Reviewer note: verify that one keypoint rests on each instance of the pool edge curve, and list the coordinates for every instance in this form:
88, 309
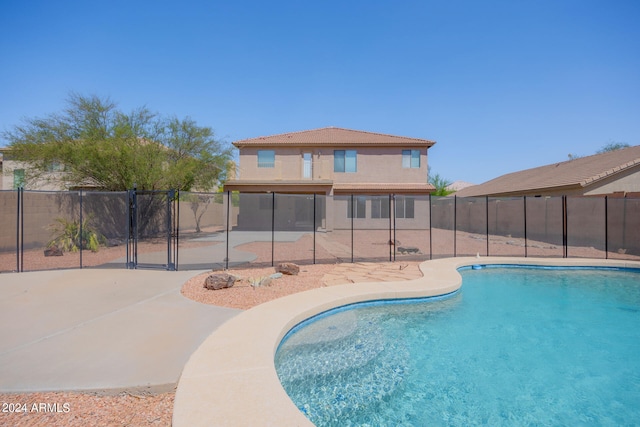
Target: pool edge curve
230, 380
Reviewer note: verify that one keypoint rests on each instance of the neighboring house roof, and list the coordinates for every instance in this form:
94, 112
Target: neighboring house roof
332, 136
577, 173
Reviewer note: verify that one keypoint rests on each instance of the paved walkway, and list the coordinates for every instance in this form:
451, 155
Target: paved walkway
97, 329
114, 329
371, 272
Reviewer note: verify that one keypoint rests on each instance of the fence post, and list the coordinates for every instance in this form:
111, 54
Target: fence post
455, 213
392, 240
606, 227
486, 215
170, 200
81, 226
128, 226
273, 222
526, 252
430, 230
18, 199
352, 214
226, 258
565, 229
132, 227
176, 220
314, 228
21, 230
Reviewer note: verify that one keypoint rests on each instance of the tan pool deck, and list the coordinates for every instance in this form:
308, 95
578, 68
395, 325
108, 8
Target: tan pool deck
231, 379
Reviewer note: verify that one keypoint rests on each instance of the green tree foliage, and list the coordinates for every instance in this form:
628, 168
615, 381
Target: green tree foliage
441, 184
99, 146
612, 146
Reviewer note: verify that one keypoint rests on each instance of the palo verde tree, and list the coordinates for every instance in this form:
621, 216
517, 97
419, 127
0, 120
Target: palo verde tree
98, 146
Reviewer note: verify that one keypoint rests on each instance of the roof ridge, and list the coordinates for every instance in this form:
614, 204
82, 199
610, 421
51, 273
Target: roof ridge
376, 133
609, 172
282, 134
286, 134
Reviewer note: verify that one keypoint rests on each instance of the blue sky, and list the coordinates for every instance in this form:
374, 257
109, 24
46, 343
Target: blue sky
500, 85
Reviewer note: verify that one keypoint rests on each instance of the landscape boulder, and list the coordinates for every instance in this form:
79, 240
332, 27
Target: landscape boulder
288, 268
219, 281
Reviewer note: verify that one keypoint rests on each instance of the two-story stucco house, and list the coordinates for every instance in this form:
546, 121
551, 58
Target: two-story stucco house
330, 162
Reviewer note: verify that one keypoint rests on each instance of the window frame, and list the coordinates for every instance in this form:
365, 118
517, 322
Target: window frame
268, 163
345, 161
411, 159
380, 207
405, 207
360, 208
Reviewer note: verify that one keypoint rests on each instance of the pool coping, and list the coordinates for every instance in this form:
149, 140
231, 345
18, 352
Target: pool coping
230, 380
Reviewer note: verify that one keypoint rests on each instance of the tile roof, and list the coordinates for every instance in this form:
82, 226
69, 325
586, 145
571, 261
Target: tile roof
333, 136
577, 173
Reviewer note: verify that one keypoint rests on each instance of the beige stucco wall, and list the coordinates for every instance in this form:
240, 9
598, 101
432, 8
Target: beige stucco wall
374, 165
628, 182
47, 182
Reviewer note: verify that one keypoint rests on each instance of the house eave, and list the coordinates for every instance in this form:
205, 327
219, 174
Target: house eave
279, 186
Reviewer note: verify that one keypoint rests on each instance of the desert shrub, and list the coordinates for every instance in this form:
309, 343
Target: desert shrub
70, 236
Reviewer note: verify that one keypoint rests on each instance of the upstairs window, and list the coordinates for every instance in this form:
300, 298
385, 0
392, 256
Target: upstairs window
345, 161
410, 158
266, 158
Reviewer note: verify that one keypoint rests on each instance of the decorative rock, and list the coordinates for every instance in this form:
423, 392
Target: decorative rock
261, 281
266, 281
276, 275
219, 281
53, 251
288, 268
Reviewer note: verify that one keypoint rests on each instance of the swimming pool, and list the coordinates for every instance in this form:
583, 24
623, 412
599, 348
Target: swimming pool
512, 347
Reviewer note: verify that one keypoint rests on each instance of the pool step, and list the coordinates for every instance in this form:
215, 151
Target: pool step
333, 348
369, 369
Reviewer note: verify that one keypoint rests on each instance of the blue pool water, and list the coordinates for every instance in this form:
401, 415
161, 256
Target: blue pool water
515, 346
